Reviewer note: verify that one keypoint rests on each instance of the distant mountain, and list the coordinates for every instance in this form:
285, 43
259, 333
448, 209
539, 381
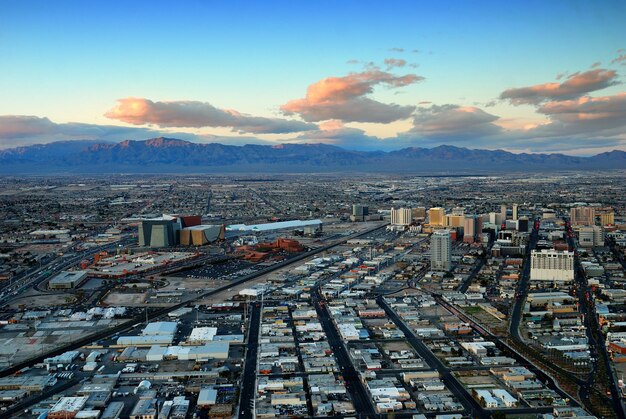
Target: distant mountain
169, 155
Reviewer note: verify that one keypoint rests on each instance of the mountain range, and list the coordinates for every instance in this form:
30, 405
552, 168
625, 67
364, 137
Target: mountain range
169, 155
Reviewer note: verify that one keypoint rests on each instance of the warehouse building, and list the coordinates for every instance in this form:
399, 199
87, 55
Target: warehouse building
67, 280
236, 229
207, 396
67, 407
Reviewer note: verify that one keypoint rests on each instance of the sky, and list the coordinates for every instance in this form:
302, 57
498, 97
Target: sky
531, 76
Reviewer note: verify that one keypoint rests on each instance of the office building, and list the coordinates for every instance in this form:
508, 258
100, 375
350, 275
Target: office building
523, 224
552, 265
472, 229
591, 236
582, 216
437, 216
401, 216
359, 212
495, 218
455, 220
514, 213
503, 212
419, 213
441, 250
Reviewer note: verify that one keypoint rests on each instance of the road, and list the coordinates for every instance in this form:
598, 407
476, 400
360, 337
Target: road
360, 397
594, 332
468, 281
156, 314
522, 286
470, 404
54, 267
248, 380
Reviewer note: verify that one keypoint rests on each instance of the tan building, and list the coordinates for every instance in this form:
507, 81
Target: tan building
582, 216
455, 220
607, 216
437, 216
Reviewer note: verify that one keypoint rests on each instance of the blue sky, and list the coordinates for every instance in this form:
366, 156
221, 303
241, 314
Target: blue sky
192, 66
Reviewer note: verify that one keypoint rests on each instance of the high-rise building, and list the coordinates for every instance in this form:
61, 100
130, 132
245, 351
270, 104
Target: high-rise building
458, 211
454, 220
503, 212
514, 213
360, 212
401, 216
552, 265
419, 212
522, 224
582, 216
607, 216
441, 250
437, 216
591, 236
495, 218
472, 228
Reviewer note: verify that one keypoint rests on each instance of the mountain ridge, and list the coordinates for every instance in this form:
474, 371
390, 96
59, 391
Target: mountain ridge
170, 154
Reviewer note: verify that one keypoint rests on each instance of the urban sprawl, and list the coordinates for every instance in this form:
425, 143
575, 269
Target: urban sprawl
155, 297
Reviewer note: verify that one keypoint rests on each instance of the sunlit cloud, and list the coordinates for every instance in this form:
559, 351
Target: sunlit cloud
345, 98
575, 85
194, 114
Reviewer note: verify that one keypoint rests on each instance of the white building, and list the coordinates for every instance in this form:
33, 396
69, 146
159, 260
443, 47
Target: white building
591, 236
489, 401
401, 216
552, 265
441, 250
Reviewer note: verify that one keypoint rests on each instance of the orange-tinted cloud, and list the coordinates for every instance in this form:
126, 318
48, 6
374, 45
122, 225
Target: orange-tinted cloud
344, 98
588, 109
193, 114
576, 85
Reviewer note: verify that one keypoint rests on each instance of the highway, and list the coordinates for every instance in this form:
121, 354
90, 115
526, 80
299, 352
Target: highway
54, 267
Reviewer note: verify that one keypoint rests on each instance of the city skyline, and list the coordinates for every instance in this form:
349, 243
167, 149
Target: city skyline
354, 75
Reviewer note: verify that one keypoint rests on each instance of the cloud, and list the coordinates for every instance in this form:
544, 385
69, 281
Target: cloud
454, 121
394, 62
193, 114
20, 130
396, 49
344, 98
576, 85
597, 116
619, 59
